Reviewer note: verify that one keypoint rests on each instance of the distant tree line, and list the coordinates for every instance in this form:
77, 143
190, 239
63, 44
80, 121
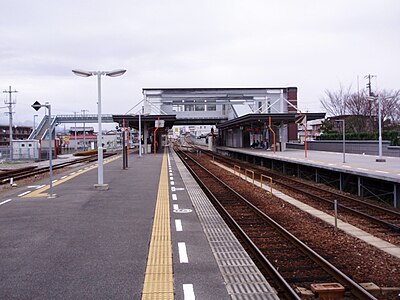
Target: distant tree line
361, 114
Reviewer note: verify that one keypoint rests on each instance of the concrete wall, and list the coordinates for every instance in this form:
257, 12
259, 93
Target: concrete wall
357, 147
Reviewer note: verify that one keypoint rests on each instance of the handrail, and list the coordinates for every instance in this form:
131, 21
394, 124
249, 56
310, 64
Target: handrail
245, 174
270, 182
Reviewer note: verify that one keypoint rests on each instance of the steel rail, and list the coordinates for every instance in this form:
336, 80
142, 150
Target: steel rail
356, 289
278, 179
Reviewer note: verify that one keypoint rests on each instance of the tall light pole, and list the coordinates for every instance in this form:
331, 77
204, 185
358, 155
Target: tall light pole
76, 141
84, 128
380, 158
140, 134
344, 138
34, 123
100, 184
37, 106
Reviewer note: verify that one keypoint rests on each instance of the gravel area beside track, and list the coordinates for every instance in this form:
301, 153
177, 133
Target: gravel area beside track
365, 263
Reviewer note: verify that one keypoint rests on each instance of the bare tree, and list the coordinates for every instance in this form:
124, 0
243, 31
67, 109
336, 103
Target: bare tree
335, 102
361, 112
390, 106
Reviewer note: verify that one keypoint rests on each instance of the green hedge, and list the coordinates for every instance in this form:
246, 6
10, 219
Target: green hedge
392, 136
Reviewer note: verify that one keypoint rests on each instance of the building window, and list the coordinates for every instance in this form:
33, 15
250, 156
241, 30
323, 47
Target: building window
211, 107
189, 107
200, 107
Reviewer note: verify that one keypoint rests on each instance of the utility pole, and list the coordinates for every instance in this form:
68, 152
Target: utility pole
369, 87
10, 112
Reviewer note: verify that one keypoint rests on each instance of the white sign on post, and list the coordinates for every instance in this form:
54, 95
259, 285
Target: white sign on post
159, 123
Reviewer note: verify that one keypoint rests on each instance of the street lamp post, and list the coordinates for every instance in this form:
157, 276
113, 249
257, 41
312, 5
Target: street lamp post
34, 123
100, 182
344, 138
76, 142
47, 105
380, 158
84, 128
140, 133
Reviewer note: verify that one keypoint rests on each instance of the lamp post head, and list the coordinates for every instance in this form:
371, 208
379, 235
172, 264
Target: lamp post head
82, 73
116, 73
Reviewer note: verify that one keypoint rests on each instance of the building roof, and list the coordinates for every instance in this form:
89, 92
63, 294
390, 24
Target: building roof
132, 121
260, 119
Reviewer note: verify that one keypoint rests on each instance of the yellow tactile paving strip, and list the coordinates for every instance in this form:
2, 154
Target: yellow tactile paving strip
39, 192
159, 280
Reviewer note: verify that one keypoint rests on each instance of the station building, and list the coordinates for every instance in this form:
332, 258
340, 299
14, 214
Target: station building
243, 116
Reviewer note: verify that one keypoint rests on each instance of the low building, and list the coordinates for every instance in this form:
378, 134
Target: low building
18, 133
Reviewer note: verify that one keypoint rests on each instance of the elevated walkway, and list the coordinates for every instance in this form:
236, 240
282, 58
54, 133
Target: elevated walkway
41, 130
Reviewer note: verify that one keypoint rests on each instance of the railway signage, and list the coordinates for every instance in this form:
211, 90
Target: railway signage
36, 106
159, 123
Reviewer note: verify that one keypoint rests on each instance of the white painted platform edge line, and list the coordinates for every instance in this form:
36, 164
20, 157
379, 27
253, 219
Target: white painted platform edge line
64, 177
24, 193
4, 202
171, 177
183, 258
40, 186
188, 292
174, 197
178, 225
175, 206
172, 182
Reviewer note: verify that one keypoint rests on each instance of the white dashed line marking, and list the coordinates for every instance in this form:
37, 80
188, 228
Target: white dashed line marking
174, 197
63, 177
188, 292
24, 193
175, 206
172, 182
178, 225
73, 173
183, 258
381, 172
4, 202
32, 186
40, 186
171, 178
362, 169
173, 189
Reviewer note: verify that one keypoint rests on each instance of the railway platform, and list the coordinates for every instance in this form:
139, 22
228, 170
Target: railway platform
359, 174
152, 235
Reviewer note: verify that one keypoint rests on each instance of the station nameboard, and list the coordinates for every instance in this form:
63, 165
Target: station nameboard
159, 123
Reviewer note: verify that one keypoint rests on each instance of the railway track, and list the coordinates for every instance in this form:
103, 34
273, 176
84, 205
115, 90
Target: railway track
286, 259
27, 172
384, 217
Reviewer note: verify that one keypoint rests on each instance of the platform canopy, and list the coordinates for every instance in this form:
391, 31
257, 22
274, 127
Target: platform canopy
260, 119
132, 121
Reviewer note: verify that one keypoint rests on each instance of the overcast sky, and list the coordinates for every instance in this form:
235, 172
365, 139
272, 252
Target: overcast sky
313, 45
